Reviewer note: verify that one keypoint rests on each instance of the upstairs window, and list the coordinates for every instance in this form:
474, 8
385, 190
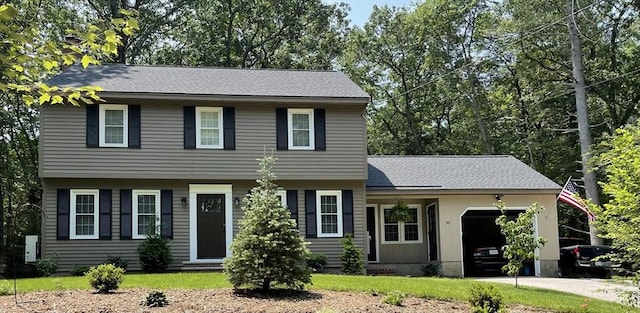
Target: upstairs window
113, 125
301, 129
209, 128
84, 214
146, 212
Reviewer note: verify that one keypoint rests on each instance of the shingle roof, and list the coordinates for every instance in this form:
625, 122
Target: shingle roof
454, 173
212, 81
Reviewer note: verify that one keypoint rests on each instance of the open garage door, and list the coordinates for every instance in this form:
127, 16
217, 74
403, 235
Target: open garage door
481, 243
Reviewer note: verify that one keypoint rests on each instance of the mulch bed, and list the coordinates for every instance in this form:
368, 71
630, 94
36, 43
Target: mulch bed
225, 300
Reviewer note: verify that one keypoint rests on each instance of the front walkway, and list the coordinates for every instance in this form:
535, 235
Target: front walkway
603, 289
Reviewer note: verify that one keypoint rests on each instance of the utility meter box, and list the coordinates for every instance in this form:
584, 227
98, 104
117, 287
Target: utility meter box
30, 248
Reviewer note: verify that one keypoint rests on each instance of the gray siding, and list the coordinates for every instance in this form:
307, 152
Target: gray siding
91, 252
64, 154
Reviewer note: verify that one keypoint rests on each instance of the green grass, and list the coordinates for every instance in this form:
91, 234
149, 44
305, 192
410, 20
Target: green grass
436, 288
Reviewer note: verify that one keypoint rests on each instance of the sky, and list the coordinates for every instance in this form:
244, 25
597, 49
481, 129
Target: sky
361, 9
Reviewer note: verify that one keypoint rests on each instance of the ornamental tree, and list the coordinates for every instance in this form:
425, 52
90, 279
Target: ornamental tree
520, 237
268, 249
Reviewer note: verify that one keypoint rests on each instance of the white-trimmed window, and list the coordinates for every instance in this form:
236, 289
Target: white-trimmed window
282, 196
301, 135
329, 213
84, 214
402, 232
113, 125
209, 128
146, 212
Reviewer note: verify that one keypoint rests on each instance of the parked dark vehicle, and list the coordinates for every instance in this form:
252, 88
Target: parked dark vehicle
488, 259
585, 260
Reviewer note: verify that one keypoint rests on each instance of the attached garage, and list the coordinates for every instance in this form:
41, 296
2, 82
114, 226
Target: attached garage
455, 198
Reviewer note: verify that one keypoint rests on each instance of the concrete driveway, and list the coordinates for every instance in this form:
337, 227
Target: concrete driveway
603, 289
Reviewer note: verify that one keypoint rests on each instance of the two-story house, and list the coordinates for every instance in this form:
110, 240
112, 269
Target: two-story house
180, 145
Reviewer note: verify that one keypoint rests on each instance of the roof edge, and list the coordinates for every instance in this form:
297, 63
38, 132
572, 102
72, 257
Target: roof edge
234, 98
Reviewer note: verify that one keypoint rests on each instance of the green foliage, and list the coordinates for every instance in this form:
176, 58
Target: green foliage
6, 288
520, 237
46, 266
394, 297
268, 249
485, 299
155, 253
79, 270
399, 212
351, 256
33, 59
105, 278
432, 268
156, 299
316, 261
117, 261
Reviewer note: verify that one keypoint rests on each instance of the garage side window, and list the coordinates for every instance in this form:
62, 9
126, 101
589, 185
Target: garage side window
409, 231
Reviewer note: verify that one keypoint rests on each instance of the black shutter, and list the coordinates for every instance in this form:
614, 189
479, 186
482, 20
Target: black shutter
166, 210
282, 132
105, 214
93, 128
292, 204
310, 213
63, 203
319, 122
134, 126
189, 127
125, 214
229, 121
347, 212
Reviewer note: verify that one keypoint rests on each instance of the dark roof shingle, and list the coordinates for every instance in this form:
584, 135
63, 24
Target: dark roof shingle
212, 81
454, 173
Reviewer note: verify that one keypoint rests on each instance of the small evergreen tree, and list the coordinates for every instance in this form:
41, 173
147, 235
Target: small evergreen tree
351, 257
268, 248
520, 237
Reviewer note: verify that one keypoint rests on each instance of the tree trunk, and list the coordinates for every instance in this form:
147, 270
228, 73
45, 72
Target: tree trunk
590, 184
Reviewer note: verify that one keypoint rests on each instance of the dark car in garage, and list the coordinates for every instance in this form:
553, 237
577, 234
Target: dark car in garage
488, 259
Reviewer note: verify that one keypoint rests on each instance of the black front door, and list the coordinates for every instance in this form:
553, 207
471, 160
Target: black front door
371, 229
211, 226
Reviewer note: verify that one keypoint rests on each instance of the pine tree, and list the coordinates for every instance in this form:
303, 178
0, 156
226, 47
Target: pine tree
268, 248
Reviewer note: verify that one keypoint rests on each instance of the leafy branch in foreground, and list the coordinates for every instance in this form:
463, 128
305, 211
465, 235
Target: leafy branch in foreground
28, 59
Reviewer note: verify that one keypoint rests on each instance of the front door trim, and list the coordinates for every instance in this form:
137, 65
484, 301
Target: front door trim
194, 190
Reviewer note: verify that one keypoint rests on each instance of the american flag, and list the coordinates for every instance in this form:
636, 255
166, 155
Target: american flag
571, 196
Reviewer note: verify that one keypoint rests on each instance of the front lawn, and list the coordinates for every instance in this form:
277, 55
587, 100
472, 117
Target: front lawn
438, 288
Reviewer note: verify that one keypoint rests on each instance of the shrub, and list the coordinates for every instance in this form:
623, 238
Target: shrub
105, 277
156, 299
6, 288
268, 249
316, 261
155, 254
485, 299
79, 270
117, 261
351, 257
394, 297
46, 266
431, 269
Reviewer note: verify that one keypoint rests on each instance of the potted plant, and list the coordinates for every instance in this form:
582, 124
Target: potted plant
399, 213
